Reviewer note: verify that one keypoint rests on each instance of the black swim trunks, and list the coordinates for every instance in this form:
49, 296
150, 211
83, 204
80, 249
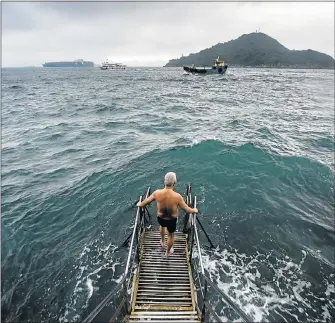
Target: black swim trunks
171, 225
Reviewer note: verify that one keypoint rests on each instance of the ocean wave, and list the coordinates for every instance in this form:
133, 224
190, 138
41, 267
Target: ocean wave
260, 162
16, 87
67, 152
269, 287
95, 261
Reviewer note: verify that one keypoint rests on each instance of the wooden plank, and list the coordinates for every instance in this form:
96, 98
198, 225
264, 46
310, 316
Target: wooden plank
180, 317
155, 270
172, 273
159, 248
170, 313
160, 261
165, 299
174, 285
167, 287
164, 259
163, 292
163, 307
158, 241
170, 321
161, 274
167, 265
163, 281
180, 304
163, 278
158, 295
164, 269
174, 256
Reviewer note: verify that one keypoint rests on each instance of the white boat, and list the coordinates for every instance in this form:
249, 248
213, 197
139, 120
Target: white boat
218, 68
106, 65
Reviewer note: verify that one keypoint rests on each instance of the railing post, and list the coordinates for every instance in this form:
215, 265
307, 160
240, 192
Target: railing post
132, 240
126, 303
186, 218
204, 303
192, 243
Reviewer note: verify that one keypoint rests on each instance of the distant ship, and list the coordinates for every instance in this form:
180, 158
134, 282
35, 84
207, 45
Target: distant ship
112, 66
218, 68
76, 63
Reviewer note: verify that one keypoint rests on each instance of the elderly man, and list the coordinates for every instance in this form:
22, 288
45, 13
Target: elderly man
167, 209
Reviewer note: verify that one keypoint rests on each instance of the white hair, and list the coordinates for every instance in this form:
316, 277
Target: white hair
170, 179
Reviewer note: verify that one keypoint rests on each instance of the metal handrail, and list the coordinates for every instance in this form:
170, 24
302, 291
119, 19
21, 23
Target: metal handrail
122, 284
132, 239
197, 238
204, 278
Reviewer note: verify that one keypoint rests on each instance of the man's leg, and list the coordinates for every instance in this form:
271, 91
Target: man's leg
162, 231
171, 229
170, 242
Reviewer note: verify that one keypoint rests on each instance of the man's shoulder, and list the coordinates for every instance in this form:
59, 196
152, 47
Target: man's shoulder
177, 195
158, 192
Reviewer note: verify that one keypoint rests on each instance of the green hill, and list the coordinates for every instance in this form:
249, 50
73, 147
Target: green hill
256, 50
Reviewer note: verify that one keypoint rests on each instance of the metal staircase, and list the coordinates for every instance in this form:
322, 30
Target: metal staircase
156, 288
163, 288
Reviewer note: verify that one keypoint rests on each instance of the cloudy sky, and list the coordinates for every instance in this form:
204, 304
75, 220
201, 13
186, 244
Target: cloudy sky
149, 34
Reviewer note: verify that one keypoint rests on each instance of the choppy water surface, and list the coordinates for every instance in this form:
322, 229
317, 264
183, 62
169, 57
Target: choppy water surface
79, 146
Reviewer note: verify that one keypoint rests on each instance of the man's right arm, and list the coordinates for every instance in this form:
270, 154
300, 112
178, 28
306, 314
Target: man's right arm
185, 207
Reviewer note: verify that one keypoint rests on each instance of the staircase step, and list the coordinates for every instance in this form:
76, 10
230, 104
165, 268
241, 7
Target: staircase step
164, 316
158, 298
163, 320
158, 294
159, 307
163, 292
166, 266
172, 287
169, 313
167, 279
181, 303
163, 274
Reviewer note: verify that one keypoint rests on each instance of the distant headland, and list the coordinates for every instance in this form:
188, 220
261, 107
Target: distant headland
256, 50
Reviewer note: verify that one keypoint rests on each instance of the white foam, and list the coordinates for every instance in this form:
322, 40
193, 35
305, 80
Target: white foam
285, 294
326, 315
330, 289
199, 140
90, 288
92, 260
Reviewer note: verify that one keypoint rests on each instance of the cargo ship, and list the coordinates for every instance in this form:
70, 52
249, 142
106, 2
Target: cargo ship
76, 63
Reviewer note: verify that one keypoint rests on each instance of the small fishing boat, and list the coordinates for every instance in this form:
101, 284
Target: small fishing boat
219, 67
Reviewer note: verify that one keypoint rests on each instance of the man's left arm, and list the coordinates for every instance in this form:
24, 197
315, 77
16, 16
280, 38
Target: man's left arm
147, 200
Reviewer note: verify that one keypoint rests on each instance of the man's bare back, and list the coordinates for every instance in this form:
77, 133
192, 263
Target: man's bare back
168, 202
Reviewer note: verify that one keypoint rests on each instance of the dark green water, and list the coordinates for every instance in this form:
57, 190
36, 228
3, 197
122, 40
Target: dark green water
79, 147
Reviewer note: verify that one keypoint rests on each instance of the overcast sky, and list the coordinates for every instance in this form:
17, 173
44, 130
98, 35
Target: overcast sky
149, 34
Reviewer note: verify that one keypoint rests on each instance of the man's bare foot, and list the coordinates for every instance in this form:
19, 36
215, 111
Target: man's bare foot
167, 254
